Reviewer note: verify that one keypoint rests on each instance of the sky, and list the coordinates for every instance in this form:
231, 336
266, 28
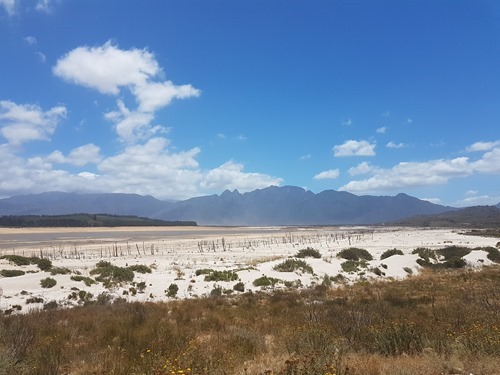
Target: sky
177, 99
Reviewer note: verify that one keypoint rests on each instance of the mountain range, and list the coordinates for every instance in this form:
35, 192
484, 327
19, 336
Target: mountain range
287, 205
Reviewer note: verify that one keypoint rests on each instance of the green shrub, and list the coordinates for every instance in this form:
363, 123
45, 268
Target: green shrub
425, 253
350, 266
265, 281
291, 265
453, 252
43, 263
48, 282
493, 253
239, 287
172, 290
354, 253
308, 253
140, 268
59, 271
34, 300
110, 275
12, 273
18, 260
88, 281
378, 272
216, 292
203, 271
390, 253
221, 276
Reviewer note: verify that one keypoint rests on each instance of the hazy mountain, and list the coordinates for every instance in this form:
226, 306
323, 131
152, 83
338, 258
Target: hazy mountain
58, 203
288, 205
477, 217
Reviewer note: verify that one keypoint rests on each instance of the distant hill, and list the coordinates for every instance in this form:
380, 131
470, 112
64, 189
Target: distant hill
473, 217
86, 220
287, 205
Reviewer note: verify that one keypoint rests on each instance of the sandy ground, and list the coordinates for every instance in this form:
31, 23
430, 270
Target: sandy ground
176, 253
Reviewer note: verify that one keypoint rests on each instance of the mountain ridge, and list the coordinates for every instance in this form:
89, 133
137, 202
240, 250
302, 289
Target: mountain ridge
286, 205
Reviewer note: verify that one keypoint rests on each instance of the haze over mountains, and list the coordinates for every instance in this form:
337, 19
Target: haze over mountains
287, 205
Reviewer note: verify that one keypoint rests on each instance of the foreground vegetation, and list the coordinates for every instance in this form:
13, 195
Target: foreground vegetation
440, 322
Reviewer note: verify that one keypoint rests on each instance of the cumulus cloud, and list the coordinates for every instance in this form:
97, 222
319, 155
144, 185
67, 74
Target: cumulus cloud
20, 123
9, 6
483, 200
354, 148
109, 70
391, 144
327, 175
79, 156
362, 168
382, 130
412, 174
482, 146
231, 175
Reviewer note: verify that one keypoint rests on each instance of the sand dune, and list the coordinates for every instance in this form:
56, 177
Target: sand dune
175, 254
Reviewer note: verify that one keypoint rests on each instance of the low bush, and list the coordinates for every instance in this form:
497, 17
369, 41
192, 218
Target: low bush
221, 276
453, 252
390, 253
34, 300
239, 287
18, 260
111, 275
493, 253
12, 273
350, 266
88, 281
59, 271
48, 282
308, 253
43, 263
172, 290
292, 265
265, 281
203, 271
425, 253
354, 253
140, 268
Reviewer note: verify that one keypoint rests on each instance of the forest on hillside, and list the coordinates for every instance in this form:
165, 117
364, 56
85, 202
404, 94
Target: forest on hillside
86, 220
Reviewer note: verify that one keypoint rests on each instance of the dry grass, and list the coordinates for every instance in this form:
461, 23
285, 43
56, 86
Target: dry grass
435, 323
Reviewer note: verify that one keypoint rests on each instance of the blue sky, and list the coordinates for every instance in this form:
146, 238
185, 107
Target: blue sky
177, 99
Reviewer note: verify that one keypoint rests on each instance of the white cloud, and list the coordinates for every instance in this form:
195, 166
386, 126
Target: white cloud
471, 192
432, 200
407, 174
347, 122
221, 136
155, 95
22, 123
305, 157
31, 40
109, 69
88, 175
41, 56
230, 175
483, 200
391, 144
382, 130
44, 6
86, 154
9, 6
329, 174
354, 148
362, 168
482, 146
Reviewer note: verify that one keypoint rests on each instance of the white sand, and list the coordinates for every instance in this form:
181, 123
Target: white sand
176, 253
